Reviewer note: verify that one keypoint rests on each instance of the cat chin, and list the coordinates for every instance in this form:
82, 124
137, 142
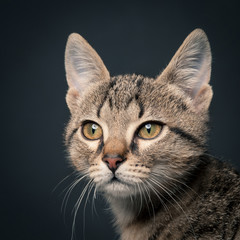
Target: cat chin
117, 189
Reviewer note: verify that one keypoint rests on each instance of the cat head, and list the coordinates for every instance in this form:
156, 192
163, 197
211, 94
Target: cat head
130, 130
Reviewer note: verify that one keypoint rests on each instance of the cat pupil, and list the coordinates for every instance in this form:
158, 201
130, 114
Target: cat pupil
148, 127
94, 128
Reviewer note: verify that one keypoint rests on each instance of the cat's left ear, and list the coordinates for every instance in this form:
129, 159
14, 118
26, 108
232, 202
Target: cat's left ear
83, 67
190, 70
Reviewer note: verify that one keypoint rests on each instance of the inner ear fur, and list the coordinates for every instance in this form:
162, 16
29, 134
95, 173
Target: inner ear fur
84, 68
190, 70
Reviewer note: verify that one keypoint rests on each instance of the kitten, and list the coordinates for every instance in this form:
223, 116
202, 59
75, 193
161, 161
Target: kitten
142, 142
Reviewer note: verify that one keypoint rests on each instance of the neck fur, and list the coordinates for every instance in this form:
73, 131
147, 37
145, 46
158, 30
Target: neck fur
128, 210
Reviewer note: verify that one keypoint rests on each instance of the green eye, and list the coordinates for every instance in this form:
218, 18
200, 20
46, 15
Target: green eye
149, 130
92, 131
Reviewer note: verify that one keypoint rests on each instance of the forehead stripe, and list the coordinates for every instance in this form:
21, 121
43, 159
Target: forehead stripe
141, 110
101, 105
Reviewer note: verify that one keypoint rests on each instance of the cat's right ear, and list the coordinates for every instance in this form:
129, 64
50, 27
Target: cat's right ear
83, 67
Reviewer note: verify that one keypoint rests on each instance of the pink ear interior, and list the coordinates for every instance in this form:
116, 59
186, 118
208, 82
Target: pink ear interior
203, 99
190, 69
83, 65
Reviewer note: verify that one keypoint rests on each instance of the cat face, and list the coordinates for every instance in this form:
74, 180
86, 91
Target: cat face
130, 133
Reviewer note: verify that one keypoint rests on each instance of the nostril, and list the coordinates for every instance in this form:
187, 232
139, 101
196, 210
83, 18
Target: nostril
113, 161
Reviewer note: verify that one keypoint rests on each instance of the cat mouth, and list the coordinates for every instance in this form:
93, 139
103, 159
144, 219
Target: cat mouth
114, 179
114, 186
117, 181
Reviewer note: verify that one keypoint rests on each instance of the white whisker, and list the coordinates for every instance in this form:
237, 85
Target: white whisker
178, 181
70, 189
93, 201
159, 196
64, 179
90, 186
143, 192
77, 205
141, 200
172, 195
150, 200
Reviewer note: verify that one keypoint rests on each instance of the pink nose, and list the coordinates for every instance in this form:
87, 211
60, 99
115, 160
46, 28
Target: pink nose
113, 161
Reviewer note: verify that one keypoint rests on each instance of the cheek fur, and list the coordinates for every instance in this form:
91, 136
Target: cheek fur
80, 154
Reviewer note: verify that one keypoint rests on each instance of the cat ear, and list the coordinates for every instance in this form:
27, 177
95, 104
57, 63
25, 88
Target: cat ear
83, 67
190, 69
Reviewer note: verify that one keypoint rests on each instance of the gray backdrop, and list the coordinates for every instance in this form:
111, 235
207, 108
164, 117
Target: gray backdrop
137, 37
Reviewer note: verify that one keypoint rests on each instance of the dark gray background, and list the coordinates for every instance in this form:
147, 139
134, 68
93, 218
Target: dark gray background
138, 37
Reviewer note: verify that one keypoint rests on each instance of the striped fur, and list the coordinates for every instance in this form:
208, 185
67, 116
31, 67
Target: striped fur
167, 187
